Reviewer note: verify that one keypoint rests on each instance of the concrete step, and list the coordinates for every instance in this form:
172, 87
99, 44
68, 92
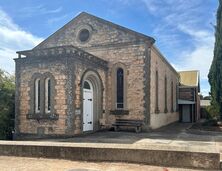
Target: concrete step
152, 155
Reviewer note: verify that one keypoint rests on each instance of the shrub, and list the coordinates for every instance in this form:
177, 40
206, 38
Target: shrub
211, 112
7, 94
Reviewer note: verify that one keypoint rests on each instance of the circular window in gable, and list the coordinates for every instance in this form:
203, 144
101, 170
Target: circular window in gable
84, 35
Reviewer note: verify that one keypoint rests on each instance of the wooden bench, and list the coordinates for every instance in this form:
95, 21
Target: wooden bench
128, 123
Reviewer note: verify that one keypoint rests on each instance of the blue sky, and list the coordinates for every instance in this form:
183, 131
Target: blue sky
183, 29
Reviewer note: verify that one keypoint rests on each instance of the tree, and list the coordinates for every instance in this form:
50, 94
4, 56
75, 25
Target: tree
215, 74
206, 98
7, 94
201, 97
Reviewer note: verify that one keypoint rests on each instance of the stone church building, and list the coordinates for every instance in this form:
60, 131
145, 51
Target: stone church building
88, 74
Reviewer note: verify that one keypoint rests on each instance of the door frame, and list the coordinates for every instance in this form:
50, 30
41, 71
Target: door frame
92, 112
97, 84
188, 106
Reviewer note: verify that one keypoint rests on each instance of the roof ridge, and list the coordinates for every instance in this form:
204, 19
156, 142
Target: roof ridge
120, 26
151, 39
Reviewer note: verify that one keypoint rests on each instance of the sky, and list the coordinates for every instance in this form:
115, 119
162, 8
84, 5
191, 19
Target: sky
183, 29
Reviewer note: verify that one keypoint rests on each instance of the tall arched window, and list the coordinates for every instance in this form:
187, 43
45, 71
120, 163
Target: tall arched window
120, 88
42, 94
177, 96
165, 110
172, 109
47, 95
37, 95
157, 93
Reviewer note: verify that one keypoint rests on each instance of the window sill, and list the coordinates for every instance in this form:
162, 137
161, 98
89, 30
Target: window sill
119, 112
157, 111
48, 116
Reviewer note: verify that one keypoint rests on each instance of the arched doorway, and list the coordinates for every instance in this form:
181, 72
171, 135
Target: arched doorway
87, 106
92, 98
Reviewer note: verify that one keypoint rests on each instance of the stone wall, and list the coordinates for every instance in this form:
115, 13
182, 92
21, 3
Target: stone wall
132, 57
162, 117
117, 45
80, 70
102, 33
47, 126
67, 72
202, 157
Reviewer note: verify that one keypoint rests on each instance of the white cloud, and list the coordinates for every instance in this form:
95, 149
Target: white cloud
57, 19
30, 11
6, 60
152, 5
5, 21
185, 29
167, 6
205, 91
13, 39
200, 57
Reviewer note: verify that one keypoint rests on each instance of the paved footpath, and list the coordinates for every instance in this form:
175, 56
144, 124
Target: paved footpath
40, 164
172, 136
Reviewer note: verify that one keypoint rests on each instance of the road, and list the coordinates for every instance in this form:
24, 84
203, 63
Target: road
40, 164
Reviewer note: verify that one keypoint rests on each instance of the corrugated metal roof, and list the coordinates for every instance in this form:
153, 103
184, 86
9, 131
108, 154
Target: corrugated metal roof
189, 78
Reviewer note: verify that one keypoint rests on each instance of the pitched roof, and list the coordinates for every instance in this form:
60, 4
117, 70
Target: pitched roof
189, 78
142, 36
151, 39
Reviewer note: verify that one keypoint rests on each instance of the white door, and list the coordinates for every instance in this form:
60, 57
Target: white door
87, 107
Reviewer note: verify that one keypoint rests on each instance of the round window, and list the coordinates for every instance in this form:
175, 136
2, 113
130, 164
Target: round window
84, 35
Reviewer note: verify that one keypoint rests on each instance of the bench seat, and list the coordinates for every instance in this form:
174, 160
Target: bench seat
137, 124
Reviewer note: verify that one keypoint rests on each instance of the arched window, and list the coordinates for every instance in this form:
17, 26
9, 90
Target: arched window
172, 108
47, 95
177, 96
119, 88
86, 85
157, 93
42, 94
37, 95
165, 110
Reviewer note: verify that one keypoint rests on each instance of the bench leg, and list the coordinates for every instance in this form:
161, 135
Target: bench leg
116, 128
138, 129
